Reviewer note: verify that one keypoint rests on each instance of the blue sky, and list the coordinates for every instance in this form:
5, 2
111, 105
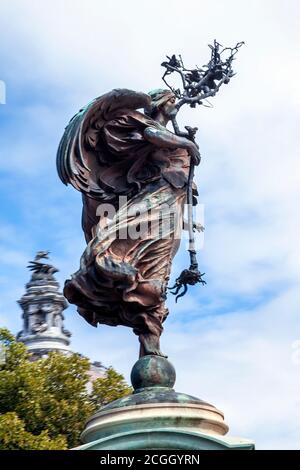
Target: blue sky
234, 341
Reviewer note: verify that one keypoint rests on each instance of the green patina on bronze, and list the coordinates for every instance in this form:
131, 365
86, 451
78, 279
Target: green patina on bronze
152, 371
154, 395
155, 416
153, 379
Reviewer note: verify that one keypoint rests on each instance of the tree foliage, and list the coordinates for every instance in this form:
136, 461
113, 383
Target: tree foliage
44, 403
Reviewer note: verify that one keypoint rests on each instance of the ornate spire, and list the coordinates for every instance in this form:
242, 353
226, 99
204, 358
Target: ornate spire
43, 304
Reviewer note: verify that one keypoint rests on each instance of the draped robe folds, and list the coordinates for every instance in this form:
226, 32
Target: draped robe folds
125, 267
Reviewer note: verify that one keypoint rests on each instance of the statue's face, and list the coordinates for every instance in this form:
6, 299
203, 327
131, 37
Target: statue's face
169, 108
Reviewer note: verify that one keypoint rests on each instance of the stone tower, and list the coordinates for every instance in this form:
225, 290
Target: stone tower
43, 304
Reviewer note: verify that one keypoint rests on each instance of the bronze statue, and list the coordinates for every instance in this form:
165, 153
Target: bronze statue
123, 159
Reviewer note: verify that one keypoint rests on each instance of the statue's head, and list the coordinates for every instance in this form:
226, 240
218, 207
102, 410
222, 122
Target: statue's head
162, 101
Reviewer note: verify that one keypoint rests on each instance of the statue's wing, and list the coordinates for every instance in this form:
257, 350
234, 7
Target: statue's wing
80, 157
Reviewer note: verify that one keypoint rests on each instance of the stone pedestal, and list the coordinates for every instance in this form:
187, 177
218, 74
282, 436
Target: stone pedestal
157, 417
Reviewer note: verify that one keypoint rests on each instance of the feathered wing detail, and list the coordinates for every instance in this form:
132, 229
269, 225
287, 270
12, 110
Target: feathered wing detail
81, 157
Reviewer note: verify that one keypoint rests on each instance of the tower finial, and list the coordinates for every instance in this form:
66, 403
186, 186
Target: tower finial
43, 304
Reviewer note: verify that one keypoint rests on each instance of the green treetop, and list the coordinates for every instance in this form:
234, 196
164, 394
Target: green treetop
44, 404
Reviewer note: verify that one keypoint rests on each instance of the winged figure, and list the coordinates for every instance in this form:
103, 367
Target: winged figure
123, 158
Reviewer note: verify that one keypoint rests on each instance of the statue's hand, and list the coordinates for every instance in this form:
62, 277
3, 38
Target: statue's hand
196, 226
194, 153
199, 227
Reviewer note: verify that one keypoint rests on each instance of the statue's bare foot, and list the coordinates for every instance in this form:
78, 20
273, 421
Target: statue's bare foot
150, 345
